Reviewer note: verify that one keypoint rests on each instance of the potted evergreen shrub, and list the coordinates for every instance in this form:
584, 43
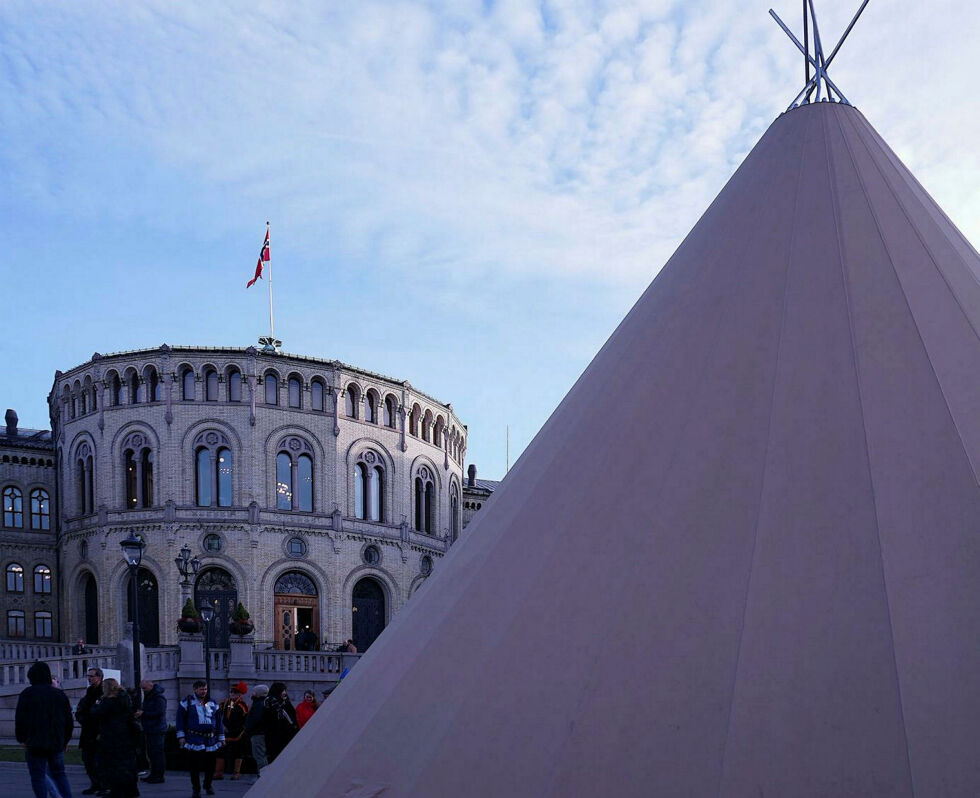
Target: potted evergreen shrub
190, 619
240, 623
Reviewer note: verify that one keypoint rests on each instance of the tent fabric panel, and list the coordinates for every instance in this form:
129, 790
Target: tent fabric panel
816, 708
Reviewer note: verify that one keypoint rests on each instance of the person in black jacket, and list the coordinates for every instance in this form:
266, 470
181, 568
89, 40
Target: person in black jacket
278, 720
118, 739
154, 718
88, 739
43, 724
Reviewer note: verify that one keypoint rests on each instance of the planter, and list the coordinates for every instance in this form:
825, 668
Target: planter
189, 625
241, 627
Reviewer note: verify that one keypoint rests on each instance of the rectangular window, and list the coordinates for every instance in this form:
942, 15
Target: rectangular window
15, 623
42, 624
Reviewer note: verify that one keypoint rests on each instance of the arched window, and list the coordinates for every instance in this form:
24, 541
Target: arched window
437, 431
424, 501
146, 483
135, 388
371, 407
389, 412
352, 398
317, 396
211, 385
13, 507
234, 386
427, 425
368, 479
294, 475
95, 398
294, 391
15, 578
131, 483
360, 483
42, 624
225, 473
138, 471
83, 399
375, 494
202, 477
413, 420
115, 391
72, 407
154, 389
42, 579
40, 509
271, 389
284, 482
187, 384
454, 511
16, 623
214, 471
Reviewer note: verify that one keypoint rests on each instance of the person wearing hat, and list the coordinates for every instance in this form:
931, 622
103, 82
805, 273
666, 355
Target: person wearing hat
234, 710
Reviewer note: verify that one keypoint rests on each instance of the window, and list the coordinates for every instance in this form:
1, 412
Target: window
138, 471
187, 385
72, 407
372, 555
40, 509
369, 487
95, 399
388, 414
424, 501
84, 475
15, 578
135, 389
426, 425
83, 399
42, 579
211, 385
214, 470
316, 396
295, 395
42, 624
437, 431
371, 407
296, 547
294, 475
115, 391
454, 511
413, 421
234, 386
425, 565
154, 389
352, 398
271, 389
13, 507
16, 623
212, 543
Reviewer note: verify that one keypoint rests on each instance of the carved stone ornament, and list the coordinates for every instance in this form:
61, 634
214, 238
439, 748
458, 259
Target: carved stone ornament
84, 450
370, 457
295, 444
210, 438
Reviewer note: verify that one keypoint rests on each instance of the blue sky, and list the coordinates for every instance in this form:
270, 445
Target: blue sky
467, 195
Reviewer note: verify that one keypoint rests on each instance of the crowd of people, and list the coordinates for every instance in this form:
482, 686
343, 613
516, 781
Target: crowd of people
122, 737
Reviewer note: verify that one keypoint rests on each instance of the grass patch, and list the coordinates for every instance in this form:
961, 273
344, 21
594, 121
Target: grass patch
15, 753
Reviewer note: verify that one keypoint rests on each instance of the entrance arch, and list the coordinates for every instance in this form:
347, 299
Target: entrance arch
297, 616
215, 586
149, 606
91, 612
368, 611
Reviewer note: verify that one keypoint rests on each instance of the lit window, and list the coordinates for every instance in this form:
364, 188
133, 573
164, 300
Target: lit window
15, 578
13, 507
42, 579
40, 509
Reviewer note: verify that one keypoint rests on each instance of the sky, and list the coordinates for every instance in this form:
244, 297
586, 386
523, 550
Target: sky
467, 195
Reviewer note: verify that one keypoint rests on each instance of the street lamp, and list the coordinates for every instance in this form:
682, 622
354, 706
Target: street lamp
207, 615
187, 566
132, 548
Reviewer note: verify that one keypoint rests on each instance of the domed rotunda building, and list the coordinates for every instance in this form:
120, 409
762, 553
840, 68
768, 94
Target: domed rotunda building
316, 494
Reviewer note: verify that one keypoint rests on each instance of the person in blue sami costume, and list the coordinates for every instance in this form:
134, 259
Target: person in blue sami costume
200, 733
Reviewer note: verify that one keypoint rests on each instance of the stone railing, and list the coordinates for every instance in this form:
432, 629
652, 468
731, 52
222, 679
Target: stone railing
325, 666
16, 651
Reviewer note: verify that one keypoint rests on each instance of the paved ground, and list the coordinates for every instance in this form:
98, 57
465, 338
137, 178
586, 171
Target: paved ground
16, 783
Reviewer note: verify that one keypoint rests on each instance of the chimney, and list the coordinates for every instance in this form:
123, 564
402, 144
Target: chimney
11, 418
470, 474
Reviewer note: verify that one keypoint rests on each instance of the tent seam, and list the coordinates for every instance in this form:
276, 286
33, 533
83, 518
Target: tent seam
864, 427
765, 466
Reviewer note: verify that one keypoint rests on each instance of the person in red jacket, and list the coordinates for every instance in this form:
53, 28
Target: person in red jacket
306, 708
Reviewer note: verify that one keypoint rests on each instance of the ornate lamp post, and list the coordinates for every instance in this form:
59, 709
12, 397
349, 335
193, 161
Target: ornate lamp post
132, 548
207, 615
187, 566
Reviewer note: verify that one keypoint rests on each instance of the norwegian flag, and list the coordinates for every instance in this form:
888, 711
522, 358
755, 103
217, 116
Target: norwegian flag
263, 258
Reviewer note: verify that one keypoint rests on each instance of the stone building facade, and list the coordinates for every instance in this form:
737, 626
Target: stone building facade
318, 495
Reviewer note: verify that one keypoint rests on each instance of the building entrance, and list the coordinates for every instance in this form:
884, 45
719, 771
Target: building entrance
297, 617
217, 587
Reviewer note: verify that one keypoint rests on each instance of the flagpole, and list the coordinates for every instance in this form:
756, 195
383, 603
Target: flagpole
272, 326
